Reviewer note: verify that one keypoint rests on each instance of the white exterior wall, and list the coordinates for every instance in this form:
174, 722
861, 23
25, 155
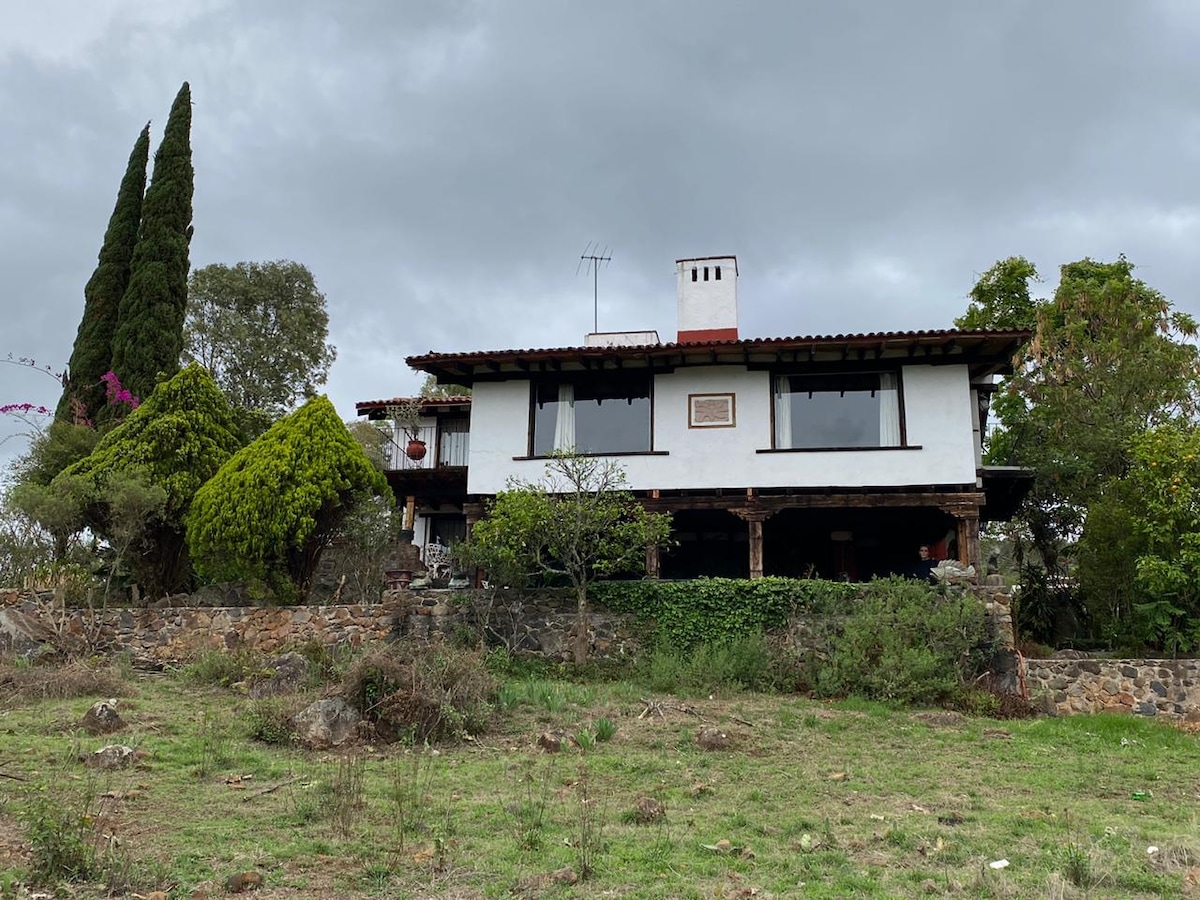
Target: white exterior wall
938, 417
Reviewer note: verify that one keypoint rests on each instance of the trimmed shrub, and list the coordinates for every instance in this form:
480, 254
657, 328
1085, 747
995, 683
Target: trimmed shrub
688, 614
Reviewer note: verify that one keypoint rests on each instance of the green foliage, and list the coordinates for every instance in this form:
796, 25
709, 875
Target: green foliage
366, 541
219, 667
149, 335
25, 547
273, 507
61, 445
174, 442
83, 392
743, 663
1000, 298
261, 329
431, 390
269, 720
1109, 359
579, 522
1165, 479
1107, 555
906, 641
62, 838
714, 611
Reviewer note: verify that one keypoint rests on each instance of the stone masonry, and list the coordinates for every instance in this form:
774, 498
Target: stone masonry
1146, 687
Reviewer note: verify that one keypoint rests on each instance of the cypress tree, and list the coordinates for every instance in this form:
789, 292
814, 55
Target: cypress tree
92, 354
149, 334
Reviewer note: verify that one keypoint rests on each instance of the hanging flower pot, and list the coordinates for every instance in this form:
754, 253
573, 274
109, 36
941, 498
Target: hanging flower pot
415, 450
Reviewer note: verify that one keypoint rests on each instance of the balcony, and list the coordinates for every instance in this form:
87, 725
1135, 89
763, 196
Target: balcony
447, 446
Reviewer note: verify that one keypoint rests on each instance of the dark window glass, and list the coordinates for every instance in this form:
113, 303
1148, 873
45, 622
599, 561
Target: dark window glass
852, 410
706, 273
718, 273
693, 273
602, 414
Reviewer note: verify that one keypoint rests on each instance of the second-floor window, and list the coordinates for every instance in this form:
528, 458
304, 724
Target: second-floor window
602, 413
836, 411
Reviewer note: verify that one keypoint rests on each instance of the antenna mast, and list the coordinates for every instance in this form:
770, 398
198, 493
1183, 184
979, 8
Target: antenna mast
593, 255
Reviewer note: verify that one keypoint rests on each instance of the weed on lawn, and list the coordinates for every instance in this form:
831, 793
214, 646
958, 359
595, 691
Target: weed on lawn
647, 794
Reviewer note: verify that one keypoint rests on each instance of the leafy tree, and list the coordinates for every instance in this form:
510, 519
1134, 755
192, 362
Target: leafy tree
91, 357
174, 442
431, 390
1109, 359
149, 336
272, 508
1165, 480
1000, 298
261, 329
579, 522
26, 548
372, 439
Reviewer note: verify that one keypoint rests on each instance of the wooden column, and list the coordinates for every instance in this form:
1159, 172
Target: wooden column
653, 562
756, 550
410, 512
473, 512
968, 542
754, 520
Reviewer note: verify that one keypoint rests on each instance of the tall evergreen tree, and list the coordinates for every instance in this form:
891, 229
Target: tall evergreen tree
149, 334
92, 354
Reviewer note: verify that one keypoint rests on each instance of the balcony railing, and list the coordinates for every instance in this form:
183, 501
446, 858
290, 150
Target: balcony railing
451, 450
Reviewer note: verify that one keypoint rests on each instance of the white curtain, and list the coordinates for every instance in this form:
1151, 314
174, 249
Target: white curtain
783, 413
889, 410
564, 423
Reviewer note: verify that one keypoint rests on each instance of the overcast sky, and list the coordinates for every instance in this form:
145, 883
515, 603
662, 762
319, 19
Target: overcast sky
440, 167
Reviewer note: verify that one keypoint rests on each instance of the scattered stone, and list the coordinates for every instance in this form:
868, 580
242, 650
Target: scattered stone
709, 738
564, 876
284, 675
243, 881
102, 718
113, 756
326, 723
21, 634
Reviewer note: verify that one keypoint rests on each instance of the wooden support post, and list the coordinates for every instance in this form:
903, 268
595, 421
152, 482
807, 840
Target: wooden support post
756, 548
754, 518
968, 542
410, 512
653, 562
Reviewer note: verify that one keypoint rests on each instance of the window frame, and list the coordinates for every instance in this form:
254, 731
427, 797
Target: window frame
575, 379
897, 371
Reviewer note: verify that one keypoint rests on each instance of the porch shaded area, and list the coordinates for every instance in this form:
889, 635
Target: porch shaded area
847, 536
841, 544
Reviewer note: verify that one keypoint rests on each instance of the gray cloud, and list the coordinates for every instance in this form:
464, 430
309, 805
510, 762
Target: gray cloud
440, 167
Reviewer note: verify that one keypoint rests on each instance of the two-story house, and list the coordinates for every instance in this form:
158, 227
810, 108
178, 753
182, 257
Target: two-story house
833, 456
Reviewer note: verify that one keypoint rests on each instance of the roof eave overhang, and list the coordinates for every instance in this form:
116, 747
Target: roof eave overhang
986, 354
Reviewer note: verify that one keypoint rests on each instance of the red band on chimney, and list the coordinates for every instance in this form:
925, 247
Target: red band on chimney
704, 335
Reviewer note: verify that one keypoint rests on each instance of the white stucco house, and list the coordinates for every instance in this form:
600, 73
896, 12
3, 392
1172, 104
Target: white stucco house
834, 456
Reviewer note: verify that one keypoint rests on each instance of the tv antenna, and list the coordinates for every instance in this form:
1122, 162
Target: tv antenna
594, 256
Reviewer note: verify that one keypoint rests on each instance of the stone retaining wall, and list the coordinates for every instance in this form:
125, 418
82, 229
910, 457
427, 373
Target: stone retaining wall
1146, 687
543, 623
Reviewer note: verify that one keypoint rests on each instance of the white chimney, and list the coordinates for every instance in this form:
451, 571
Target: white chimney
707, 299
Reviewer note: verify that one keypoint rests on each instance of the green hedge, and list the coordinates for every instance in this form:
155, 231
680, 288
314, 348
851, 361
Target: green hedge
688, 614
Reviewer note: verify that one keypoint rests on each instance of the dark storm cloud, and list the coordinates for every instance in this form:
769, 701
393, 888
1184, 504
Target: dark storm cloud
440, 167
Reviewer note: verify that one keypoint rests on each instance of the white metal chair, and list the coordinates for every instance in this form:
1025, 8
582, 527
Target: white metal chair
436, 557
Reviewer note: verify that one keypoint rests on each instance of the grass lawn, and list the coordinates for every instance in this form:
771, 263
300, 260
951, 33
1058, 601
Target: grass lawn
807, 799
